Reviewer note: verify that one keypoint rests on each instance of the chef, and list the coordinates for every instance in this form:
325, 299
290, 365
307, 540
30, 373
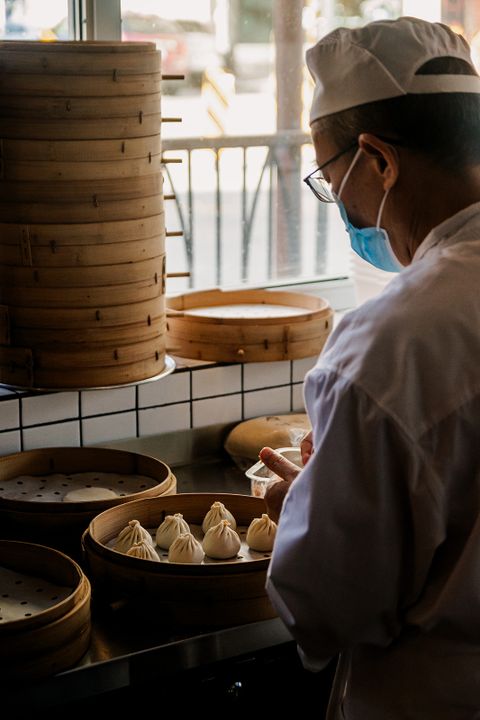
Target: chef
377, 556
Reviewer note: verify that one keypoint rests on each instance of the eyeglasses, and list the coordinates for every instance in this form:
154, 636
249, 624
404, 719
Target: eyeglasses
318, 184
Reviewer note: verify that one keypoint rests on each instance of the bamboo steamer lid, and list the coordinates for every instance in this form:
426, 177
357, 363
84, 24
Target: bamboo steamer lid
247, 325
82, 230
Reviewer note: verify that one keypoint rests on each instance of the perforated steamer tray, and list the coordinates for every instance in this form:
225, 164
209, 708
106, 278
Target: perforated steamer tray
44, 611
23, 596
55, 487
34, 483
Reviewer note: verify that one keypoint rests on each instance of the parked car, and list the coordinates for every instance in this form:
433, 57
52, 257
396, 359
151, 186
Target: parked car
167, 36
202, 53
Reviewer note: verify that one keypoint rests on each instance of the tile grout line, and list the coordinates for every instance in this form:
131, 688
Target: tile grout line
242, 390
137, 413
191, 398
20, 420
291, 385
80, 421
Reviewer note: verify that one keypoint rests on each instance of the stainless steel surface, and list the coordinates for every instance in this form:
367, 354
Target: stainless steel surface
169, 368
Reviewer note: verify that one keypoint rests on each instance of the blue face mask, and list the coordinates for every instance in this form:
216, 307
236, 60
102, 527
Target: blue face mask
371, 243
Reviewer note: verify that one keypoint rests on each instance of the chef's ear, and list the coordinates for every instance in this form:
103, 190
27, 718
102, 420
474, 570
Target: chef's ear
383, 156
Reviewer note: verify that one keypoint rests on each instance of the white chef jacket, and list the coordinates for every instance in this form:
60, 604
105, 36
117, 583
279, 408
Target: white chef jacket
377, 554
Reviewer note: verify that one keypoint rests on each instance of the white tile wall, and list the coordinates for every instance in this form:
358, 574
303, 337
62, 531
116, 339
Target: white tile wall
216, 381
260, 375
55, 435
297, 398
267, 402
9, 415
9, 442
301, 367
108, 427
49, 408
217, 410
164, 405
95, 402
159, 420
171, 389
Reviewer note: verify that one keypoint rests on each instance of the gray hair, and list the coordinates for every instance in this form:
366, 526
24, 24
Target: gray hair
445, 127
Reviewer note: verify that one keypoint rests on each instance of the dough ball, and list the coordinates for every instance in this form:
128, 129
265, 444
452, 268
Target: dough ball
93, 493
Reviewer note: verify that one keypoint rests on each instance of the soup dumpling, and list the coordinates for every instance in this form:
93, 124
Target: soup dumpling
171, 528
261, 534
218, 512
185, 549
144, 551
221, 541
132, 534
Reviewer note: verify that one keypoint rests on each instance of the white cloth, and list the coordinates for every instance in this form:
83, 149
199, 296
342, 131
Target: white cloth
377, 553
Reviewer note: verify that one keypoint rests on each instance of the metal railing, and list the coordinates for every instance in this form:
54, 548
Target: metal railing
281, 170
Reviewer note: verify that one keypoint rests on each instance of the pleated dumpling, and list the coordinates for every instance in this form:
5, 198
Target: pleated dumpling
171, 527
144, 551
132, 534
185, 549
221, 541
261, 534
218, 512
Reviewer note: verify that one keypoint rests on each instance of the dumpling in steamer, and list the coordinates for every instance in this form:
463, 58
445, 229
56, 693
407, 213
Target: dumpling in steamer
93, 493
261, 534
144, 551
131, 535
171, 528
185, 549
221, 541
218, 512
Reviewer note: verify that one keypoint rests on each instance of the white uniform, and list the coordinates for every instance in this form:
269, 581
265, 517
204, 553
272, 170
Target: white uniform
377, 554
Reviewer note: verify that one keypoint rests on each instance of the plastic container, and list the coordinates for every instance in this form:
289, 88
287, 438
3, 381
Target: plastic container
261, 477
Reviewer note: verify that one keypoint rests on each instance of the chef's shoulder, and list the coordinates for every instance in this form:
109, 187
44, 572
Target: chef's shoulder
377, 341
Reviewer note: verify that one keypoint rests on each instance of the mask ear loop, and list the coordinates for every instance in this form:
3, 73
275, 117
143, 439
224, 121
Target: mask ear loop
380, 209
387, 239
347, 174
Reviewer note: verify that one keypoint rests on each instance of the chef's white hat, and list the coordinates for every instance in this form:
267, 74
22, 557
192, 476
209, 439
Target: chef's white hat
379, 61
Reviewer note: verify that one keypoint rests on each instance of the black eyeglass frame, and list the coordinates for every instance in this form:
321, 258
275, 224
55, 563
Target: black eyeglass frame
308, 179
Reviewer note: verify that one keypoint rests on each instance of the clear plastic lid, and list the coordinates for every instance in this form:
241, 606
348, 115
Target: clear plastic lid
261, 477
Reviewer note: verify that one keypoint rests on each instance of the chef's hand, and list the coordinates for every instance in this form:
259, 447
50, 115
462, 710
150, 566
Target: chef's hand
286, 471
306, 447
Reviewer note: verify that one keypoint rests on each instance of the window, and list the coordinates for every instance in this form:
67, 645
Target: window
244, 215
33, 20
244, 141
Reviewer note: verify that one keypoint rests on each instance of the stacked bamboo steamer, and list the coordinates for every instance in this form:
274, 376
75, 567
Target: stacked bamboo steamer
82, 233
45, 620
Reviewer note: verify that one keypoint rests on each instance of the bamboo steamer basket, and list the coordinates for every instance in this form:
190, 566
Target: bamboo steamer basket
291, 325
67, 151
34, 510
44, 609
214, 593
82, 227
